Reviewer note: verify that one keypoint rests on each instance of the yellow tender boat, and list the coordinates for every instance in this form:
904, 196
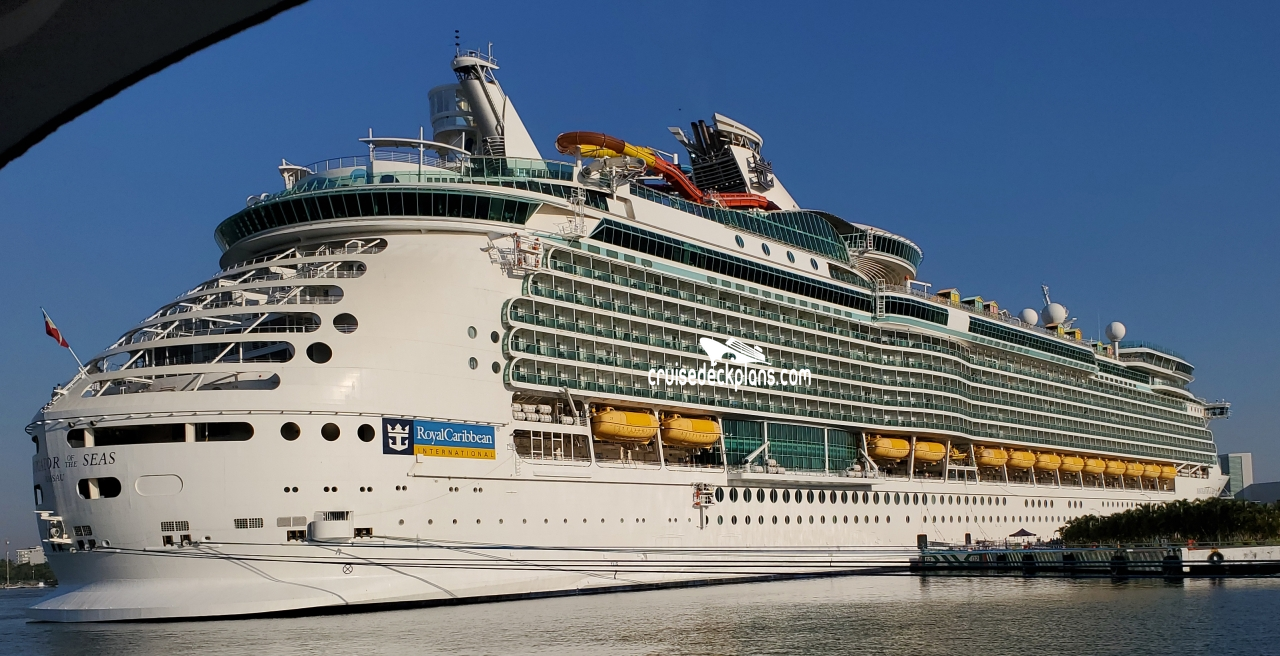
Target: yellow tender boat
1072, 464
1022, 459
689, 432
1168, 472
930, 451
1134, 469
1048, 461
890, 448
1114, 468
609, 425
1094, 465
988, 457
1150, 471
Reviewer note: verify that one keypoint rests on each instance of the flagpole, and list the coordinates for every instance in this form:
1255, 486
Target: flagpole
62, 341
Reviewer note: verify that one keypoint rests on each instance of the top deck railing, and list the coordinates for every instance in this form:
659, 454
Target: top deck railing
1128, 344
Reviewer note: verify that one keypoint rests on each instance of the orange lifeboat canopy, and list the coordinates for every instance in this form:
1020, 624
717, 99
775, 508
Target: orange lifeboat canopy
1168, 472
929, 451
1022, 459
1048, 461
1072, 464
1095, 466
989, 457
1150, 471
888, 448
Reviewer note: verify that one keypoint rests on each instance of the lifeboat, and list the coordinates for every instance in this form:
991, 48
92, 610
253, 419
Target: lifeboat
1072, 464
1168, 472
1133, 469
689, 432
1022, 459
1114, 468
1150, 471
929, 451
609, 425
890, 448
988, 457
1094, 466
1048, 461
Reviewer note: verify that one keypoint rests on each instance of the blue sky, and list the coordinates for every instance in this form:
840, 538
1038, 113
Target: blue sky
1126, 154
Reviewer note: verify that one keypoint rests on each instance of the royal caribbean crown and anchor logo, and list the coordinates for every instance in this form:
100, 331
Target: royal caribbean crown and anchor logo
437, 439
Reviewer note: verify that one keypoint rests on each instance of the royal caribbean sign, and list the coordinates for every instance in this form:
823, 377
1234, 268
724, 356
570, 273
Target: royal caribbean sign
753, 369
437, 439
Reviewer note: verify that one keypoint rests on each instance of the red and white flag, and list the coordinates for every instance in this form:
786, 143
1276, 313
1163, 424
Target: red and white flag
52, 330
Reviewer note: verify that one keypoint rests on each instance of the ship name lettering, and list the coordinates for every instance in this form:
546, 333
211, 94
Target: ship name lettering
108, 458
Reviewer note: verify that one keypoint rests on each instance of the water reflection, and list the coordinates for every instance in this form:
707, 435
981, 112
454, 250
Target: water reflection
873, 615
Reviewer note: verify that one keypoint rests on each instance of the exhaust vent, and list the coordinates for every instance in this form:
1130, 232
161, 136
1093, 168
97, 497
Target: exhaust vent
175, 527
249, 522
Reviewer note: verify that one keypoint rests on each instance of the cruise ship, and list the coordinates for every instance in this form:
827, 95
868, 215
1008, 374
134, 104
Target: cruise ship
450, 369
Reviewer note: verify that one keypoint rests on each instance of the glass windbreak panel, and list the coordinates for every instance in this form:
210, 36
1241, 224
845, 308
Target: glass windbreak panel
1013, 336
741, 438
801, 229
797, 448
897, 248
842, 450
369, 203
1121, 371
907, 307
730, 266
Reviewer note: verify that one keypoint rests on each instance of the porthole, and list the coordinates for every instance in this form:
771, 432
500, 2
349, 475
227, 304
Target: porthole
747, 519
497, 368
330, 432
897, 498
775, 519
877, 519
915, 499
319, 353
791, 257
865, 496
473, 363
823, 518
876, 498
854, 497
935, 498
494, 337
746, 495
733, 494
738, 240
855, 519
765, 248
844, 497
786, 519
471, 332
760, 495
365, 433
1026, 503
346, 323
719, 495
786, 496
733, 520
822, 496
773, 498
290, 431
810, 496
814, 263
720, 519
810, 519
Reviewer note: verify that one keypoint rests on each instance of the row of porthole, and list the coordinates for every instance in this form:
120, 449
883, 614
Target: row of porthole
493, 337
791, 257
622, 520
319, 352
822, 496
330, 432
867, 519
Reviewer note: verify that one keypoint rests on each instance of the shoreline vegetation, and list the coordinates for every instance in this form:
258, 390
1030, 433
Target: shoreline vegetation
26, 575
1179, 522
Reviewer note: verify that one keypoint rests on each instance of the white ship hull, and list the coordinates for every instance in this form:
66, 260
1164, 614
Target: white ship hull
247, 449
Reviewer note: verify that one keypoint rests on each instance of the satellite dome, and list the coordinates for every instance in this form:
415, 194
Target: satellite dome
1053, 314
1029, 316
1115, 332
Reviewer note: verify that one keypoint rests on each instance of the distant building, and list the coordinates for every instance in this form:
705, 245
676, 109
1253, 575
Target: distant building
1261, 492
1239, 470
32, 556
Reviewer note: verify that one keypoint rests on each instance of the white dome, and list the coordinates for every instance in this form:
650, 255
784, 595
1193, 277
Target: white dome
1053, 314
1029, 316
1115, 332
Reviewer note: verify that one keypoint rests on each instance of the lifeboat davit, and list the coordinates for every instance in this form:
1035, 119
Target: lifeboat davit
1168, 472
1133, 469
989, 457
1151, 471
889, 448
930, 452
1114, 468
1072, 464
689, 432
1094, 466
1048, 461
609, 425
1022, 459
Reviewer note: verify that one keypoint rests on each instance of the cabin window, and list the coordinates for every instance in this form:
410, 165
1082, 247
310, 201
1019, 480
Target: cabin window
99, 488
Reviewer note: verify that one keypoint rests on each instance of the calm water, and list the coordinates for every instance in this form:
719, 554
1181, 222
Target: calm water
852, 615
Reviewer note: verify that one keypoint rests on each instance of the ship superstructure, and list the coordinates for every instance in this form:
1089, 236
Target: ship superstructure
478, 373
